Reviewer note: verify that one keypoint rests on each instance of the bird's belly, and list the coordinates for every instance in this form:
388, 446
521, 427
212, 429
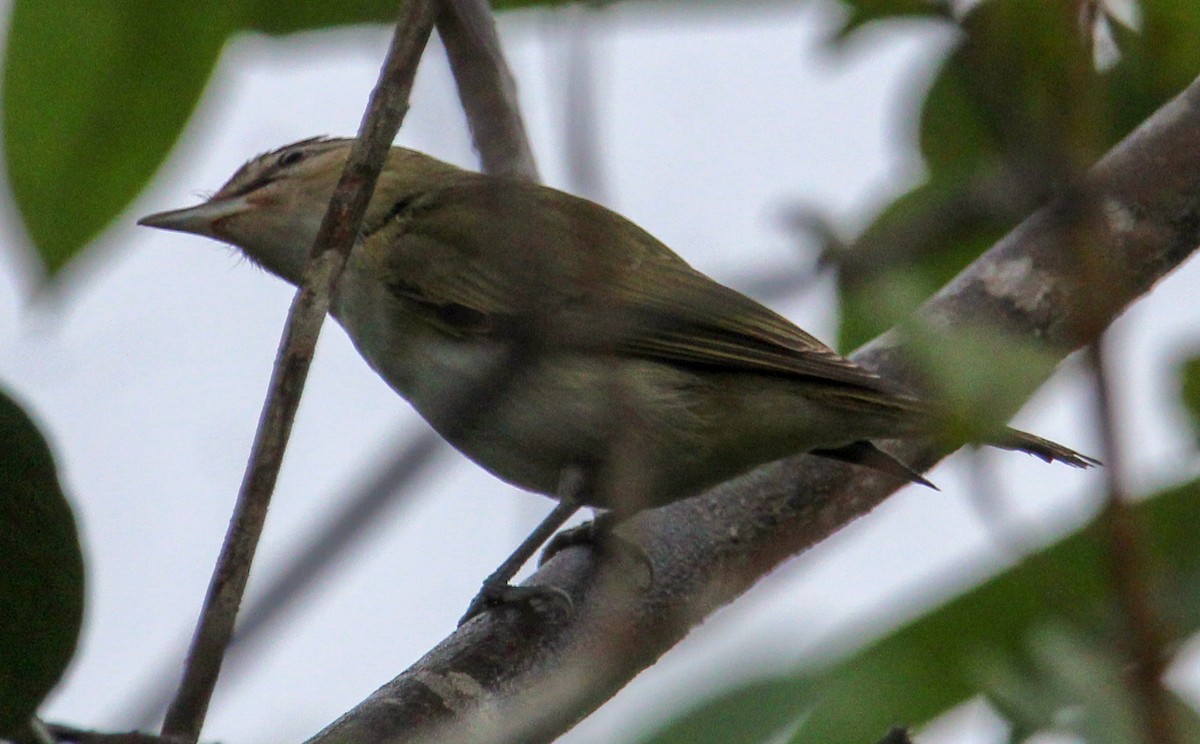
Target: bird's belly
522, 417
527, 420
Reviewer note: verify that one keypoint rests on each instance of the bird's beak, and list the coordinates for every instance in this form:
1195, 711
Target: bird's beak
201, 219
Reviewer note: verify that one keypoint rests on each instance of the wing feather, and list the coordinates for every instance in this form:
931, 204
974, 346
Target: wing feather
560, 274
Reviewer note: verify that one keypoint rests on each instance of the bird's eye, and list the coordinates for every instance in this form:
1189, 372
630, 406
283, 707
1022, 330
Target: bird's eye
290, 158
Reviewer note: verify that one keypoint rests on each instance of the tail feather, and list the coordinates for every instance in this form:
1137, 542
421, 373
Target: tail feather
1013, 439
868, 455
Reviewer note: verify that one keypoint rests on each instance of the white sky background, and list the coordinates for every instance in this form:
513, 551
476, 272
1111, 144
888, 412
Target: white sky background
150, 377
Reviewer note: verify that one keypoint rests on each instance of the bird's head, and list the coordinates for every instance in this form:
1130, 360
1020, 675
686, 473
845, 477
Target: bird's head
273, 205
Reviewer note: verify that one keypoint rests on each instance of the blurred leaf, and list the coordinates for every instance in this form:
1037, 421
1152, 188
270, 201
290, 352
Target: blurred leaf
289, 16
1169, 32
1014, 115
1019, 91
982, 641
756, 712
877, 303
863, 12
917, 245
95, 94
1157, 61
41, 570
1190, 384
1069, 675
941, 659
979, 376
1072, 684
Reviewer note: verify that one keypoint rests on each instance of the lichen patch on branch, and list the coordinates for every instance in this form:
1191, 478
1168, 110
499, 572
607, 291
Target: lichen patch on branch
1016, 280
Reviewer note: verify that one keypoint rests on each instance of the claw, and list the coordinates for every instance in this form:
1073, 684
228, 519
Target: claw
498, 595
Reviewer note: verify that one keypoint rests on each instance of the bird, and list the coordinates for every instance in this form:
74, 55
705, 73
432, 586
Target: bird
560, 346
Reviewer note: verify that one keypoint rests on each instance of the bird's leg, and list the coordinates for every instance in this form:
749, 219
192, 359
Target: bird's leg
496, 589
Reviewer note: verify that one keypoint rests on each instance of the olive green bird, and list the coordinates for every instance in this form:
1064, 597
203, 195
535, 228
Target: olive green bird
557, 344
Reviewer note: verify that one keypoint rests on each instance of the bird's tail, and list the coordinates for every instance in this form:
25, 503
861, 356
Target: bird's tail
1013, 439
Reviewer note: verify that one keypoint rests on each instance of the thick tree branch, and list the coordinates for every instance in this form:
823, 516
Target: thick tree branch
524, 677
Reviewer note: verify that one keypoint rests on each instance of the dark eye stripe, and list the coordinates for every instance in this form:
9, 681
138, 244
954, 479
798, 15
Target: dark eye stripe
271, 166
290, 158
254, 185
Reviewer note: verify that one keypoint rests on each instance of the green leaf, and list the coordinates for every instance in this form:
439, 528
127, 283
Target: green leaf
1190, 383
1074, 683
1014, 114
754, 712
1070, 683
942, 659
874, 304
980, 376
1157, 61
1002, 125
95, 94
914, 247
1020, 91
864, 12
290, 16
41, 570
1028, 637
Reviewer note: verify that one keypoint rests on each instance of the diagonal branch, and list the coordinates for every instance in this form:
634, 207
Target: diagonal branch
487, 88
389, 102
527, 677
488, 92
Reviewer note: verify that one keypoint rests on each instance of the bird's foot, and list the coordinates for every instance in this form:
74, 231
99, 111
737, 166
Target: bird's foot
594, 533
500, 594
599, 534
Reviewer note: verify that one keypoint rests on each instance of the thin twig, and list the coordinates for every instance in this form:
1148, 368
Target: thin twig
1129, 568
486, 88
581, 139
389, 102
489, 99
710, 549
